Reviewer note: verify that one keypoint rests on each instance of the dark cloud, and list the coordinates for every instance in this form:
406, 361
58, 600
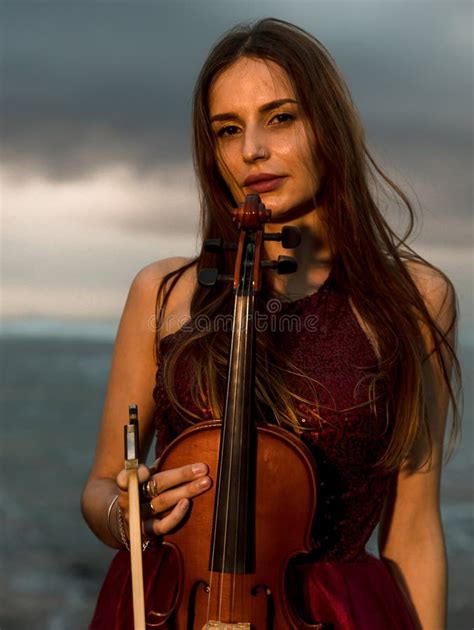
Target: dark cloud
91, 83
72, 72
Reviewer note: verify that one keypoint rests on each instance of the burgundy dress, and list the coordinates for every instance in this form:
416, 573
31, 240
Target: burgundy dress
342, 583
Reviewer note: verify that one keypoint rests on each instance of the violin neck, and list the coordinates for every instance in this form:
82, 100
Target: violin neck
233, 547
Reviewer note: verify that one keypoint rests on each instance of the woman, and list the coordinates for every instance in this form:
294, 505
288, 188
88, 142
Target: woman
368, 390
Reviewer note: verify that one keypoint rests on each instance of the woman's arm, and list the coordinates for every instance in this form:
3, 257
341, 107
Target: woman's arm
131, 380
411, 537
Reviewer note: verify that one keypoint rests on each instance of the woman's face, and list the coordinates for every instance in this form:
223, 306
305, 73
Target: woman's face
259, 128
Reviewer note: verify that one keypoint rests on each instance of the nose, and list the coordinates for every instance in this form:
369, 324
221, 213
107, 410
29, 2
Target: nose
254, 147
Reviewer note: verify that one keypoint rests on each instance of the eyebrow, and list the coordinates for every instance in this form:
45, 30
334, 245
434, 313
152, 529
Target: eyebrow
264, 108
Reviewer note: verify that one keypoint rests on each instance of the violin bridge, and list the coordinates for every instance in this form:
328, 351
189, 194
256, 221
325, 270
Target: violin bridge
219, 625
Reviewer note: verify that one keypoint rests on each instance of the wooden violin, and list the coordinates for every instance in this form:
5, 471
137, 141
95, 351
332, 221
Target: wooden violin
238, 538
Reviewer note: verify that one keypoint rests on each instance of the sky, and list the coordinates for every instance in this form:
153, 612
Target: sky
95, 166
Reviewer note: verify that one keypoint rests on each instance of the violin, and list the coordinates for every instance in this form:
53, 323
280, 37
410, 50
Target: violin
232, 555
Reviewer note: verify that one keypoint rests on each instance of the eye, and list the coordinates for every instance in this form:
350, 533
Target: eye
230, 130
284, 117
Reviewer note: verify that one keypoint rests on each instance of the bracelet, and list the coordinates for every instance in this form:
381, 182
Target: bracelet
109, 512
123, 535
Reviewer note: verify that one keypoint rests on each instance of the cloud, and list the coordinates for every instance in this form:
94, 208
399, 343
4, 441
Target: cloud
72, 247
86, 85
95, 122
164, 202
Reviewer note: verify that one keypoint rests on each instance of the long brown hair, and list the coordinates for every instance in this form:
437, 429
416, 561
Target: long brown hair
369, 258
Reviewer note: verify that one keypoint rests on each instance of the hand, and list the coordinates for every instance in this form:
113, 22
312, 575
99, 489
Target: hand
175, 487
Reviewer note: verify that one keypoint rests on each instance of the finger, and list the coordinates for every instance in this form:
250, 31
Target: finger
147, 528
123, 503
143, 473
170, 521
122, 477
146, 511
154, 466
167, 479
170, 498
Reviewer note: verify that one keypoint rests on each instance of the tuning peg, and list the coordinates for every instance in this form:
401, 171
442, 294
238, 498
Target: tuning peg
217, 245
210, 276
290, 236
213, 245
284, 264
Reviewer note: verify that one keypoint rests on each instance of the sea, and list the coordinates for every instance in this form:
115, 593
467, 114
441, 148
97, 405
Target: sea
54, 378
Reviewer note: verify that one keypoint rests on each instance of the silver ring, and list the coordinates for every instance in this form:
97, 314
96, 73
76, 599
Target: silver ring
152, 488
149, 490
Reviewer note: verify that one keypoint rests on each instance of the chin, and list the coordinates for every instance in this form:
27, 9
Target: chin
279, 204
275, 202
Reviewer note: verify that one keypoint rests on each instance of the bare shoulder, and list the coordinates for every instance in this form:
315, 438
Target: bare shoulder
144, 290
150, 276
147, 281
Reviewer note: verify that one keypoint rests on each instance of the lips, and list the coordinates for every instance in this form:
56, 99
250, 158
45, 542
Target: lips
263, 182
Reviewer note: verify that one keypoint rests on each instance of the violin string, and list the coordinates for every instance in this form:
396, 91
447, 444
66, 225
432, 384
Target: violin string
243, 583
250, 341
239, 475
217, 515
248, 463
242, 305
237, 319
249, 323
249, 313
217, 503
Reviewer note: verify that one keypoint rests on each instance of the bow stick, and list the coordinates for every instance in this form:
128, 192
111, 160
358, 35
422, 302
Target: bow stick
132, 459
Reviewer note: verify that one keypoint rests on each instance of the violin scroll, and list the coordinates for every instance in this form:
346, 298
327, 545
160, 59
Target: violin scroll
252, 214
250, 218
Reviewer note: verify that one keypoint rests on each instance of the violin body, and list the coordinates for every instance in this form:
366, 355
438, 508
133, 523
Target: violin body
283, 525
